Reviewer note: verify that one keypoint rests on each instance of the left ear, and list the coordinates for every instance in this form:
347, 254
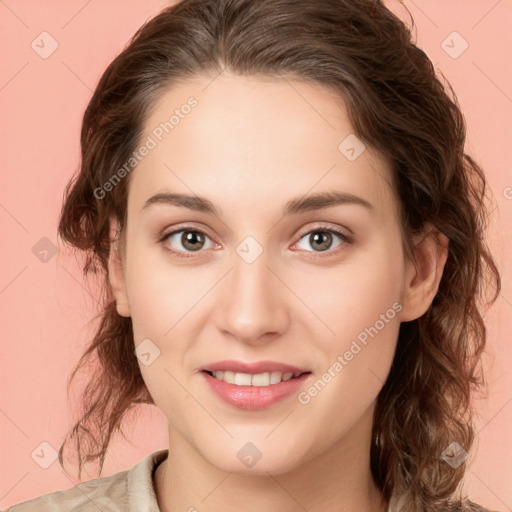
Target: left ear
423, 273
116, 272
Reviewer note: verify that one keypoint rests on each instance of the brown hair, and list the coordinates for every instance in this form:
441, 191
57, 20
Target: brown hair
396, 104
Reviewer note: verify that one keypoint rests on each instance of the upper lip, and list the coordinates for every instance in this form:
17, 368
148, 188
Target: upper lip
253, 368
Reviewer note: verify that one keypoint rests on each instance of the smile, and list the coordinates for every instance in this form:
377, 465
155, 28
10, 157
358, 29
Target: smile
247, 379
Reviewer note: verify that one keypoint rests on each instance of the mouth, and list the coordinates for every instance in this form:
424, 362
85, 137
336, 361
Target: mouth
254, 385
255, 380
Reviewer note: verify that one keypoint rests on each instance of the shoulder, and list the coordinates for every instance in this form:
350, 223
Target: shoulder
107, 494
124, 491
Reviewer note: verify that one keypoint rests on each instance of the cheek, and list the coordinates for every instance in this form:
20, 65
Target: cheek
159, 293
352, 296
359, 306
162, 300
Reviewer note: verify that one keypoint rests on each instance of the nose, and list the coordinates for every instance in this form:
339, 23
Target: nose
253, 304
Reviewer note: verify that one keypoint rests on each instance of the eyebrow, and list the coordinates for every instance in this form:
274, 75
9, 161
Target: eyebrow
323, 200
295, 206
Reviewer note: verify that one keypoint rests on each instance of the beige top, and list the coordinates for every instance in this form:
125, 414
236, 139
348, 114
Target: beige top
127, 491
131, 490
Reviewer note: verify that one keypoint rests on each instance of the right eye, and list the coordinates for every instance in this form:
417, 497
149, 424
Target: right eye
189, 240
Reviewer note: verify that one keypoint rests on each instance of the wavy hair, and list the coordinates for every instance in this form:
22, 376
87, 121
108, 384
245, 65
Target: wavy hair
398, 105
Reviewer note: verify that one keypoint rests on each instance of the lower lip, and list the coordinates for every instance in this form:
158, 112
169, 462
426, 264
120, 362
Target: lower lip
254, 397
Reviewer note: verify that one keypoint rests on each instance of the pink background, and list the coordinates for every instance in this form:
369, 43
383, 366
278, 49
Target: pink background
45, 306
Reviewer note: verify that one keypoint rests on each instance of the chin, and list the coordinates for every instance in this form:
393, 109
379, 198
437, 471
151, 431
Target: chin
253, 459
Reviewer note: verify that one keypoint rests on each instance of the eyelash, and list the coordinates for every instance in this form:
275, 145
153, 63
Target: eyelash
345, 239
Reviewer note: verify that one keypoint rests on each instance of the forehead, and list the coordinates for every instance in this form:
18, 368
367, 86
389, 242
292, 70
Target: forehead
255, 138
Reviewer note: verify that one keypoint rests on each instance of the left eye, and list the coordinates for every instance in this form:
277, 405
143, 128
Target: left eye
323, 238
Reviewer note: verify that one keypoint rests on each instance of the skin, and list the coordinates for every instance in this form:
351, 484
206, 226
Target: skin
251, 145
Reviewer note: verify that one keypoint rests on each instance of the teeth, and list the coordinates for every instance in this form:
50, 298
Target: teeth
242, 379
246, 379
275, 378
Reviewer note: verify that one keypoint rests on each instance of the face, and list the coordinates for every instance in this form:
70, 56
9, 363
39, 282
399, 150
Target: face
268, 275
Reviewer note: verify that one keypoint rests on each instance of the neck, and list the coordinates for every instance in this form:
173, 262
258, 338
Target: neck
337, 479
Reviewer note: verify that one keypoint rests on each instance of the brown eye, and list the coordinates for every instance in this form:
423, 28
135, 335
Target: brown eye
185, 240
321, 240
192, 240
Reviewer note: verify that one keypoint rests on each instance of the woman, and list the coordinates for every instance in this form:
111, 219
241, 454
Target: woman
292, 241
